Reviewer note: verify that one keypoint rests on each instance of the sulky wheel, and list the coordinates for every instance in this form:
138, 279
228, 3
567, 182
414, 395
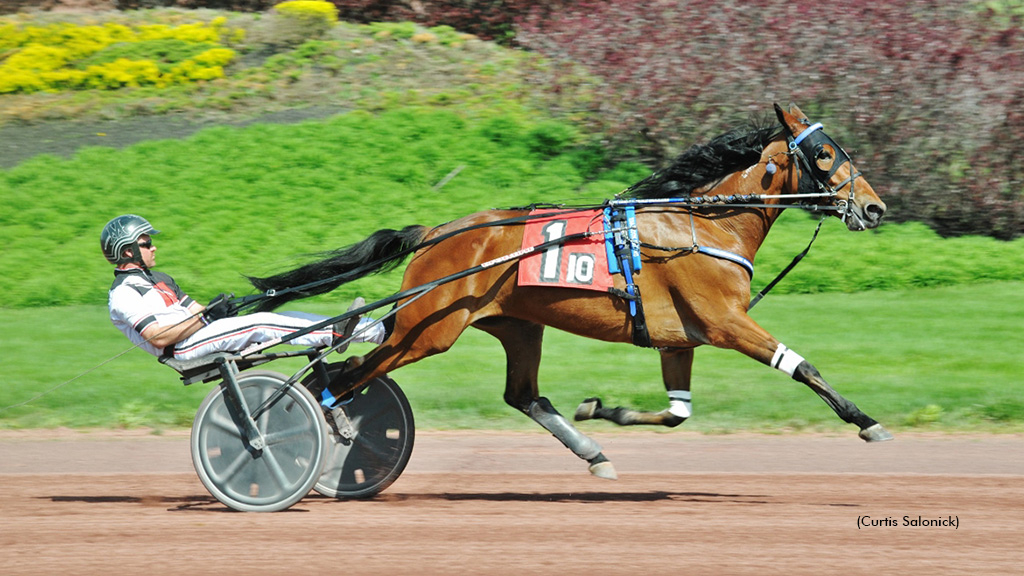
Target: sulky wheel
276, 476
371, 440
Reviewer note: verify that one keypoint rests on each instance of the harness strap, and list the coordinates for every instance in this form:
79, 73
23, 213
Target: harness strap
807, 132
730, 256
623, 257
786, 270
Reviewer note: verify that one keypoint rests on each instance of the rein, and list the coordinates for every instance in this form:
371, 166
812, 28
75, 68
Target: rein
715, 201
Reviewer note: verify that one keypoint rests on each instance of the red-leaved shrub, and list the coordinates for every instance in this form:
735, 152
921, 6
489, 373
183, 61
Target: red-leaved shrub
927, 96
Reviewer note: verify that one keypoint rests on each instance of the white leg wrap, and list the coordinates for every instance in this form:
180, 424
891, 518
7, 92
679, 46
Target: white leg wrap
679, 403
786, 360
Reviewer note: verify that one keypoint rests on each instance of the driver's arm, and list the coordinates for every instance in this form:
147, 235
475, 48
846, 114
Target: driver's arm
164, 336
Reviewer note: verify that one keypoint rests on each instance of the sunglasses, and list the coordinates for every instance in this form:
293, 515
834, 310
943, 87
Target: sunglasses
146, 244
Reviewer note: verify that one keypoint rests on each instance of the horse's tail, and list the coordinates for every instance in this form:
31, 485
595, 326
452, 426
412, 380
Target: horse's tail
381, 251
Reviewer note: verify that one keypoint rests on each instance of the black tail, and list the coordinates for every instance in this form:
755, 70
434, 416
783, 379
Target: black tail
381, 251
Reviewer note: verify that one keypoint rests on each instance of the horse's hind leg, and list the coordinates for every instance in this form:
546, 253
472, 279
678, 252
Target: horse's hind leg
522, 343
429, 332
676, 366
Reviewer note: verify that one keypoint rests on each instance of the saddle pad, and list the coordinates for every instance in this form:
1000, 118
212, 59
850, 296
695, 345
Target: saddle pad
579, 263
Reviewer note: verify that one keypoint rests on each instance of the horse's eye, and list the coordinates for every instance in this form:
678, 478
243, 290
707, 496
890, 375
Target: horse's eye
823, 157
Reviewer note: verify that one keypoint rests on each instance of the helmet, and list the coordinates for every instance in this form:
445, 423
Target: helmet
123, 232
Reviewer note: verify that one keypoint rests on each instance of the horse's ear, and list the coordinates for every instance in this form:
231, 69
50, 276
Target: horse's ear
792, 119
780, 114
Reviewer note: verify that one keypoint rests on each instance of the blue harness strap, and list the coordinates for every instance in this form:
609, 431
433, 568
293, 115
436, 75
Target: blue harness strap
623, 249
634, 236
617, 242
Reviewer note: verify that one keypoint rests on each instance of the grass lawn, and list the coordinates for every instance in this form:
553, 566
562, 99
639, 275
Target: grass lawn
943, 358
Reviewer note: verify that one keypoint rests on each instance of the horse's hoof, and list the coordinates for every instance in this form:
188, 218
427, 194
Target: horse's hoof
586, 409
604, 470
875, 433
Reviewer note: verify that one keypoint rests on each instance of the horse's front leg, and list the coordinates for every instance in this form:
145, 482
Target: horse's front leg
746, 336
870, 430
676, 367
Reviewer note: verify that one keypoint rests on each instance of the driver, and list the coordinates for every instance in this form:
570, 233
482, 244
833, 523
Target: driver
155, 314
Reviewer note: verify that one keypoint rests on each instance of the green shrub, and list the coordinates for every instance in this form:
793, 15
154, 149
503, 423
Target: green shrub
165, 53
550, 138
399, 30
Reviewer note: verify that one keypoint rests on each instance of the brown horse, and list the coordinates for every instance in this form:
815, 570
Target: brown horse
689, 297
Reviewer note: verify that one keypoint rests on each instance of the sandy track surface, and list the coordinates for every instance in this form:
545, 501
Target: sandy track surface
516, 503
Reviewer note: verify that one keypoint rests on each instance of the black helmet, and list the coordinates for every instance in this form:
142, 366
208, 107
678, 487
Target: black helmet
123, 232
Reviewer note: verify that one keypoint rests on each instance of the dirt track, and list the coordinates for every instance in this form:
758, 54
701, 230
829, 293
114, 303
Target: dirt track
490, 503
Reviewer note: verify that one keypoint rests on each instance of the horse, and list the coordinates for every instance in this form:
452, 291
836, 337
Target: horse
690, 296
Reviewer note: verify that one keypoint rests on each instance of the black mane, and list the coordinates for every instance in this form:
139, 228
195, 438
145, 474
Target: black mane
703, 164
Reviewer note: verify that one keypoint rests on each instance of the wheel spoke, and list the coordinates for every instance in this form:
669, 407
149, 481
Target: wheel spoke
222, 420
263, 393
276, 470
233, 467
369, 455
299, 431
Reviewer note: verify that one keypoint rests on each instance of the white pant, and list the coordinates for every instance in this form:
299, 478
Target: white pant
235, 334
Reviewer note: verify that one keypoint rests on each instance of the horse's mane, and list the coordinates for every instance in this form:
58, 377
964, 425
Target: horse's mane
703, 164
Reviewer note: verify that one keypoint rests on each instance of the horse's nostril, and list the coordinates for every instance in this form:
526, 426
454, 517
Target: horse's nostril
875, 211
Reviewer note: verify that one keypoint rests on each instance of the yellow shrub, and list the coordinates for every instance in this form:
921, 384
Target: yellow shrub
36, 57
21, 72
64, 79
309, 9
206, 66
122, 72
40, 57
10, 36
20, 81
215, 57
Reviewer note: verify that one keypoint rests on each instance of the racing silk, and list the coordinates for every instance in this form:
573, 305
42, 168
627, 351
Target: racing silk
139, 298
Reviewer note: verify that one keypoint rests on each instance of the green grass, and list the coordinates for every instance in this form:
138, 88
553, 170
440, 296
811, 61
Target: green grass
943, 359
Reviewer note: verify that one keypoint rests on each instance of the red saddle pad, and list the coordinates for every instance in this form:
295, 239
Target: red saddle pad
579, 263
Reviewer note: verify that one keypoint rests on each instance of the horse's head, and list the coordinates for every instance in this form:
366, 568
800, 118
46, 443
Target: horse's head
830, 167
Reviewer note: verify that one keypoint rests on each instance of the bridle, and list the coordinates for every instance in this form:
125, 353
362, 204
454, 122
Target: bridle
811, 143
